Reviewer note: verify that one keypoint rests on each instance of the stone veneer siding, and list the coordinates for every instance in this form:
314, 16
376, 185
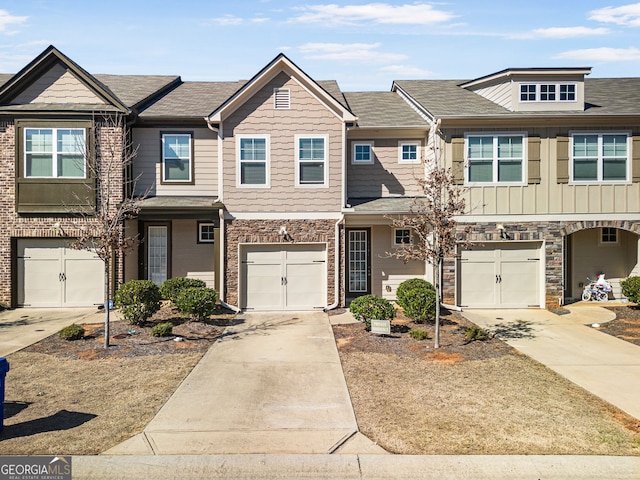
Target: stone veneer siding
552, 233
266, 231
15, 226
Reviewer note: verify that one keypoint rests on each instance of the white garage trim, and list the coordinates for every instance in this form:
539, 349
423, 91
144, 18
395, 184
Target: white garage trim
282, 276
501, 275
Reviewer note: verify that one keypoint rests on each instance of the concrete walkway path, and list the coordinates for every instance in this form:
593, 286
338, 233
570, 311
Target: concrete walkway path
272, 384
602, 364
22, 327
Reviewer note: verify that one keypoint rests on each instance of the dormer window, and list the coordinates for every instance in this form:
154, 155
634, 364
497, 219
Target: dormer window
548, 92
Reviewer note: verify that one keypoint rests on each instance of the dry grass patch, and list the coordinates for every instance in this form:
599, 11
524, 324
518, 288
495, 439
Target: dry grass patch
479, 398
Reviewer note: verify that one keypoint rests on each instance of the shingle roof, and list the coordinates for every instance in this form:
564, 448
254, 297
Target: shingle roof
332, 88
381, 205
133, 89
445, 98
192, 99
383, 109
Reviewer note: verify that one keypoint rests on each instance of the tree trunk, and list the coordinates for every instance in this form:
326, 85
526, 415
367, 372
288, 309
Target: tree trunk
436, 279
107, 291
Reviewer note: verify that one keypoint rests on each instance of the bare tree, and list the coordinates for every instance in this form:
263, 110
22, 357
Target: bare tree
433, 226
103, 229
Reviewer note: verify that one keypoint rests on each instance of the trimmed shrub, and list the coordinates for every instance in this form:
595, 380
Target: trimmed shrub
138, 300
163, 329
631, 289
475, 333
199, 302
368, 307
417, 297
402, 292
72, 332
172, 287
419, 334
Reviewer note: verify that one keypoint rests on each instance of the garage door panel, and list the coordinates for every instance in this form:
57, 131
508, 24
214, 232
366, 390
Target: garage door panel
519, 286
506, 275
262, 287
305, 288
84, 276
478, 287
283, 277
42, 287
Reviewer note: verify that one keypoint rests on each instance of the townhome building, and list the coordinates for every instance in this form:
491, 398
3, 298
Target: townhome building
280, 191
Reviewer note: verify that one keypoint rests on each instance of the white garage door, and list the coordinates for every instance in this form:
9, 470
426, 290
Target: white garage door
283, 277
50, 274
505, 275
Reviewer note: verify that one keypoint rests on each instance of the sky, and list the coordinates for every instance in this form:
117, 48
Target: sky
364, 45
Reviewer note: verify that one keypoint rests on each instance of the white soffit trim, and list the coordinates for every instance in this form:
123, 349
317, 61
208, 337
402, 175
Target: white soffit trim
286, 215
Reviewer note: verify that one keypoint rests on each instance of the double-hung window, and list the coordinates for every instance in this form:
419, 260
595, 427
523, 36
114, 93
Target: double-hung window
600, 157
253, 160
54, 153
177, 162
311, 160
495, 158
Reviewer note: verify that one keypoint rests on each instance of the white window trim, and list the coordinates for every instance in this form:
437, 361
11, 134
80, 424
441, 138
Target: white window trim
191, 166
54, 152
599, 180
412, 162
325, 183
281, 91
601, 240
538, 92
267, 183
361, 162
205, 224
393, 237
495, 135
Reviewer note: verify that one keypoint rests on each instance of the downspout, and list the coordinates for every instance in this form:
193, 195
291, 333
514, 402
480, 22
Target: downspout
336, 249
221, 291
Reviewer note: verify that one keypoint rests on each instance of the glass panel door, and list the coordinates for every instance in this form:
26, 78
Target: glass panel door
358, 261
157, 254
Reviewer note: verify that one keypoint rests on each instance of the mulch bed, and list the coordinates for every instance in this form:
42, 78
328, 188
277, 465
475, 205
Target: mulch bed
133, 341
454, 345
626, 326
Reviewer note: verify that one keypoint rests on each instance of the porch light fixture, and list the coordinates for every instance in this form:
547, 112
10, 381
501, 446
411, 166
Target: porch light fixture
285, 235
503, 233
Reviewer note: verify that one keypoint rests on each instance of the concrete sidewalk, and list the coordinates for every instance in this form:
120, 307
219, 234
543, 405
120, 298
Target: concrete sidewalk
602, 364
22, 327
356, 467
272, 384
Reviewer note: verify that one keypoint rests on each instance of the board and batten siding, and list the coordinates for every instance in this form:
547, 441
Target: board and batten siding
306, 116
386, 177
148, 169
550, 191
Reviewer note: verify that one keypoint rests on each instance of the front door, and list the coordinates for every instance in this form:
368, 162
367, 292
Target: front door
157, 254
358, 262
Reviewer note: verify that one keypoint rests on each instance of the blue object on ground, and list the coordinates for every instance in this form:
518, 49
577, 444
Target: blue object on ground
4, 368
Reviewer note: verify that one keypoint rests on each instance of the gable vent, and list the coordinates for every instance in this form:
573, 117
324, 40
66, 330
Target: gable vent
282, 98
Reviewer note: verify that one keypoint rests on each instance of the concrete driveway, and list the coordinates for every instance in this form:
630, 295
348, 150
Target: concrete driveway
21, 327
272, 384
600, 363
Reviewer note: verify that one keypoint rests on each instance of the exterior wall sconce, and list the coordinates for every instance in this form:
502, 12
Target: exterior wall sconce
503, 233
285, 235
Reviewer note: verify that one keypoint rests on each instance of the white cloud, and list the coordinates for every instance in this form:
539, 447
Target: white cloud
359, 52
227, 20
379, 13
603, 54
259, 20
568, 32
628, 15
6, 19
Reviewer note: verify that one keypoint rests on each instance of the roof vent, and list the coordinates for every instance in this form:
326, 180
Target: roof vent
281, 98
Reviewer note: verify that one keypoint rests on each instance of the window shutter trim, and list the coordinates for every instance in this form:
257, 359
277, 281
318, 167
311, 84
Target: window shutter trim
533, 144
457, 153
562, 158
635, 158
